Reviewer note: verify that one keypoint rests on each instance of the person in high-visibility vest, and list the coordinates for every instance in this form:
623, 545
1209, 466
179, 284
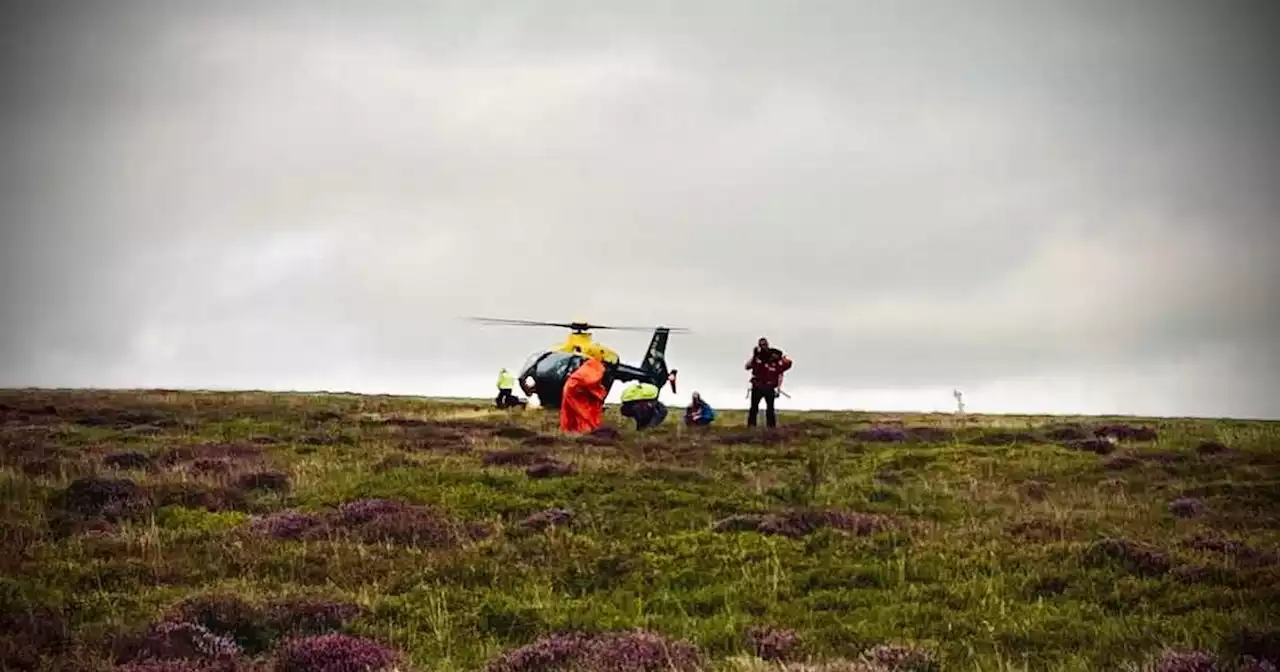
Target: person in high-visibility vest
506, 382
640, 402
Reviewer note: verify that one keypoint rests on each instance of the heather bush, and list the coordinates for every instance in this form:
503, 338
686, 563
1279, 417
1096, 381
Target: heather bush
321, 439
111, 499
551, 653
643, 652
32, 465
881, 435
521, 457
1099, 446
28, 634
274, 481
1243, 554
363, 511
311, 616
1035, 490
289, 525
1049, 586
324, 416
212, 465
1251, 664
193, 495
176, 639
435, 445
334, 653
393, 461
515, 432
602, 436
177, 455
237, 453
125, 418
773, 644
1123, 432
1066, 433
1263, 644
63, 526
905, 658
550, 469
544, 519
1211, 448
1003, 439
1187, 507
373, 521
416, 526
396, 421
799, 523
1166, 457
131, 459
256, 629
1037, 529
1113, 484
227, 615
1191, 575
1120, 462
1184, 661
187, 665
638, 651
755, 436
1135, 558
930, 434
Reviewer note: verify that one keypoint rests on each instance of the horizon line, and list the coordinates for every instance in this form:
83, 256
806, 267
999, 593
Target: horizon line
466, 399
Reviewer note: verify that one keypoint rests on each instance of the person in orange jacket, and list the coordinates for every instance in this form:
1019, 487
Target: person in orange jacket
582, 405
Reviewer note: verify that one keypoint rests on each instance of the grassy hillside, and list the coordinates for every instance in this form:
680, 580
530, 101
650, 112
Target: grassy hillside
449, 536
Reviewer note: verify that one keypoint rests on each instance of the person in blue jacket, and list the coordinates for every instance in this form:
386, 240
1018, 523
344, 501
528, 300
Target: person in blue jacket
699, 413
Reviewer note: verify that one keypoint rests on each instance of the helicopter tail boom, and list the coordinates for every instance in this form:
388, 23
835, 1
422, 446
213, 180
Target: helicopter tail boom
653, 369
655, 359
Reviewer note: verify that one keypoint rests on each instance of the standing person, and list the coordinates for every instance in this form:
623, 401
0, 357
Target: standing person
506, 382
767, 364
582, 405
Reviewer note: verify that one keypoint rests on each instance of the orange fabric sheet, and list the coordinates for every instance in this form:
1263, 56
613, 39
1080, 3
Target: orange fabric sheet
582, 405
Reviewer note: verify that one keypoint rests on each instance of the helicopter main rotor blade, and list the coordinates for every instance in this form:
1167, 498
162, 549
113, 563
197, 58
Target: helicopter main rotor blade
523, 323
674, 330
572, 325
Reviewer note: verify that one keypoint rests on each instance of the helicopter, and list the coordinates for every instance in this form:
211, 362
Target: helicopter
544, 373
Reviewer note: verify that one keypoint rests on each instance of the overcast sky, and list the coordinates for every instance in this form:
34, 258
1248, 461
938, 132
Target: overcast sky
1054, 207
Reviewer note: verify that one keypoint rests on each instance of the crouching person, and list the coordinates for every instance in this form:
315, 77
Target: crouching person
505, 399
640, 403
699, 413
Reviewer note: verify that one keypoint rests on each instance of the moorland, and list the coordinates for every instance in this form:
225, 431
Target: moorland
166, 530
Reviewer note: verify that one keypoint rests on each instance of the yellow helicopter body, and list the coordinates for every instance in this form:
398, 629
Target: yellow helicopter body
581, 341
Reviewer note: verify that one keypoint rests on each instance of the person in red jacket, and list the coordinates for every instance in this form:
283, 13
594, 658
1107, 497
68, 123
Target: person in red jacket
766, 365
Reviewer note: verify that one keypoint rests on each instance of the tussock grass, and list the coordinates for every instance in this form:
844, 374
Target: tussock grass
445, 535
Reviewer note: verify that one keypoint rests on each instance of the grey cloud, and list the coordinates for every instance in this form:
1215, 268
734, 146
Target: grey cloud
902, 195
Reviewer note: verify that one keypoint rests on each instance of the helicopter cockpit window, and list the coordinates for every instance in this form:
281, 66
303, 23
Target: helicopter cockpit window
527, 368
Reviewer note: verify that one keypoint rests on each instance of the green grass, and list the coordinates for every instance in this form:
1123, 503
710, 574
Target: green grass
991, 561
